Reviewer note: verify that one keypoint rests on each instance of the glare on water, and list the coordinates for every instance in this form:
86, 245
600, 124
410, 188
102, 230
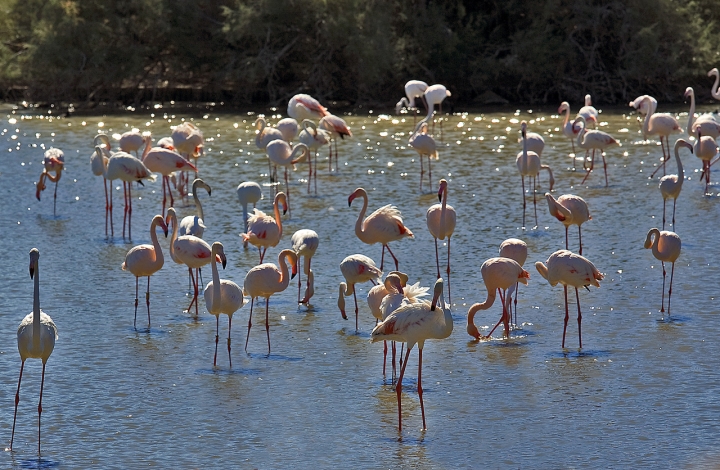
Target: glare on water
641, 393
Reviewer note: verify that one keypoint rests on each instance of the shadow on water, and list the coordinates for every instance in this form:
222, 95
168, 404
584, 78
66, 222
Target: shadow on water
218, 371
675, 320
578, 354
38, 463
274, 357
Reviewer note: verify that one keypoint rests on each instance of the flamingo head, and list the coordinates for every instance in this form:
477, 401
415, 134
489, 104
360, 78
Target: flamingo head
564, 106
443, 189
403, 277
713, 72
437, 293
688, 92
523, 129
34, 257
393, 283
171, 216
219, 250
355, 194
161, 223
473, 331
293, 258
523, 277
281, 200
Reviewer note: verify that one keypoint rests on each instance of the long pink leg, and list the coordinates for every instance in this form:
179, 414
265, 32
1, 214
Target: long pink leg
217, 337
448, 272
664, 213
107, 206
330, 162
356, 309
673, 219
287, 190
567, 316
267, 321
165, 182
393, 257
337, 164
534, 200
315, 172
384, 356
252, 303
502, 317
229, 328
422, 172
125, 209
437, 259
419, 384
112, 230
522, 178
42, 384
430, 168
672, 273
137, 280
566, 237
602, 154
195, 290
577, 298
147, 300
398, 390
382, 257
662, 302
579, 237
197, 277
17, 400
55, 197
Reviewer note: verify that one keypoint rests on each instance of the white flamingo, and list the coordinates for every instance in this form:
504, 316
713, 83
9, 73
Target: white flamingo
337, 127
570, 210
53, 162
166, 162
281, 154
314, 138
568, 127
98, 164
302, 106
588, 112
516, 250
441, 220
662, 125
248, 192
595, 140
289, 128
671, 185
644, 107
435, 95
706, 122
263, 230
355, 269
666, 247
425, 145
195, 224
528, 164
305, 243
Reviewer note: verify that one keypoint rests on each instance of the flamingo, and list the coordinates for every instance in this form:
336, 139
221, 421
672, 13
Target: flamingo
714, 91
289, 128
671, 185
355, 269
98, 164
666, 249
166, 162
382, 226
191, 251
305, 243
705, 149
413, 89
264, 135
570, 210
706, 122
440, 220
166, 143
146, 260
314, 138
569, 129
569, 269
337, 127
528, 164
53, 161
221, 296
644, 107
302, 106
188, 141
133, 141
588, 112
265, 280
280, 153
416, 323
434, 95
263, 230
127, 168
36, 337
424, 144
195, 224
516, 250
499, 275
248, 192
595, 140
660, 124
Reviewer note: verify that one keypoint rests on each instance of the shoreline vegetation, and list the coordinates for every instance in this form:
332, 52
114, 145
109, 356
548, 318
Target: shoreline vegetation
107, 55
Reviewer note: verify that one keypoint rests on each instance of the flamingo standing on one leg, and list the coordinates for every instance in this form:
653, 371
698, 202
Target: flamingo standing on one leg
265, 280
665, 248
662, 125
305, 243
263, 230
516, 250
221, 296
568, 127
595, 140
440, 220
671, 185
569, 269
382, 226
146, 260
416, 323
499, 275
424, 144
248, 192
528, 164
166, 162
570, 210
355, 269
280, 153
53, 161
314, 138
337, 127
36, 337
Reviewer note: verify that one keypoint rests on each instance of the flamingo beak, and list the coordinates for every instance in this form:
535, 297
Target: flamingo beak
32, 271
222, 260
342, 312
440, 193
350, 199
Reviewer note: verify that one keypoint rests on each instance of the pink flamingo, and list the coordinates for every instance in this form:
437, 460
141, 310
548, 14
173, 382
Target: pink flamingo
573, 270
53, 161
133, 141
666, 249
671, 185
248, 192
382, 226
265, 280
714, 91
570, 210
355, 269
414, 324
302, 106
595, 140
662, 125
221, 296
516, 250
441, 220
36, 337
435, 95
264, 135
98, 164
499, 275
706, 122
337, 127
644, 107
188, 141
413, 89
263, 230
146, 260
569, 129
424, 144
314, 138
705, 149
195, 224
528, 164
305, 243
281, 154
166, 162
289, 128
588, 112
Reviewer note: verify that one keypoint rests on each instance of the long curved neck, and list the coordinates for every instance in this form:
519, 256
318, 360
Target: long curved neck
567, 116
215, 277
681, 172
557, 210
581, 134
198, 204
278, 219
55, 178
159, 259
646, 122
443, 211
489, 301
361, 216
714, 91
284, 275
36, 306
691, 114
655, 241
173, 237
297, 151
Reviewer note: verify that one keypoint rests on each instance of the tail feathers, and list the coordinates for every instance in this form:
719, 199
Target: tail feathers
124, 268
412, 292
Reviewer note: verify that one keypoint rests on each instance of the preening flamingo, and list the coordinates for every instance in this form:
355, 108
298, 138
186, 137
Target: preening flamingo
588, 112
516, 250
263, 230
314, 138
36, 337
337, 127
302, 106
662, 125
195, 224
644, 107
569, 129
595, 140
671, 185
166, 162
221, 296
53, 162
415, 323
380, 309
424, 145
305, 243
570, 210
705, 149
706, 122
382, 226
499, 275
98, 164
265, 280
280, 153
666, 249
528, 164
146, 260
440, 220
289, 128
573, 270
355, 269
248, 192
435, 95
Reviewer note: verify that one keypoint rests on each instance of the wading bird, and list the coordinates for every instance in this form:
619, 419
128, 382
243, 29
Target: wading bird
424, 145
671, 185
528, 164
570, 210
440, 220
263, 230
305, 243
248, 192
595, 140
355, 269
53, 162
337, 127
516, 250
666, 247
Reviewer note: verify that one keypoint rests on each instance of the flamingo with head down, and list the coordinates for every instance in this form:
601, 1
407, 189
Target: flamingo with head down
355, 269
265, 231
53, 162
337, 127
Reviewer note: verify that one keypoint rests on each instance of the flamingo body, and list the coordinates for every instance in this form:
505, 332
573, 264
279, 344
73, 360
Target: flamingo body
302, 106
264, 231
570, 210
305, 243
